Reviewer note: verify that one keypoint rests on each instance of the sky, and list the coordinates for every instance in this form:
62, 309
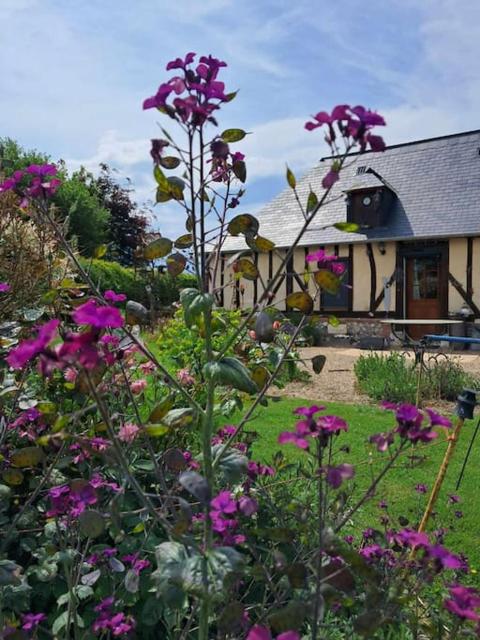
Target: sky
75, 72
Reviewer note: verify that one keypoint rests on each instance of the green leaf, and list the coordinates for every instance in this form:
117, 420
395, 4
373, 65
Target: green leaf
176, 187
132, 581
233, 464
239, 168
197, 485
318, 362
169, 162
177, 418
230, 372
300, 300
244, 223
264, 327
156, 430
160, 177
194, 303
347, 227
333, 321
291, 179
312, 201
158, 248
233, 135
135, 313
184, 242
100, 251
176, 264
91, 523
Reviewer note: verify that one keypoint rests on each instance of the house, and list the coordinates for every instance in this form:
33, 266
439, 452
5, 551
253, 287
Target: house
417, 250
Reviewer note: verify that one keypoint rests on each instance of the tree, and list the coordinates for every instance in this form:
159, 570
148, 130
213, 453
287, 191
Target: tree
88, 220
127, 225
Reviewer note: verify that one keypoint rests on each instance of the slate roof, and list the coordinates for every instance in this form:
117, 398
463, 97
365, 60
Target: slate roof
437, 182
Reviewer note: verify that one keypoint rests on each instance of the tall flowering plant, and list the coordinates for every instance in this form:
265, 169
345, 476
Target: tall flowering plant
140, 516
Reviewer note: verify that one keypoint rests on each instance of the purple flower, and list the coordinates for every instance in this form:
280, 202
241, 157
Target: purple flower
463, 602
421, 488
308, 412
382, 440
136, 563
98, 316
157, 149
437, 420
332, 424
453, 499
287, 437
4, 287
28, 349
118, 623
111, 296
336, 475
262, 633
247, 506
224, 503
445, 558
411, 538
340, 112
330, 179
31, 620
178, 63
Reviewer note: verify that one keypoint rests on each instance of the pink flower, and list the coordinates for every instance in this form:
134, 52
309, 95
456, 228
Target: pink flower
382, 440
147, 368
128, 432
70, 374
28, 349
111, 296
437, 420
185, 377
137, 386
287, 437
98, 316
4, 287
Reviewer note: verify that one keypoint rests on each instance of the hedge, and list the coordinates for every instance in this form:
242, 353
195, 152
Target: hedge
111, 275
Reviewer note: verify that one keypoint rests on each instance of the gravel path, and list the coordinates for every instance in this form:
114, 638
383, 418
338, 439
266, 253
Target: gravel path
336, 383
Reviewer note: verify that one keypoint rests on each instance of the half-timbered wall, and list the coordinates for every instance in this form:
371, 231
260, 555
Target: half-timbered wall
371, 265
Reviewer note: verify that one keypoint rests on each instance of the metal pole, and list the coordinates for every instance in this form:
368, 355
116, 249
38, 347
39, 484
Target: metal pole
460, 477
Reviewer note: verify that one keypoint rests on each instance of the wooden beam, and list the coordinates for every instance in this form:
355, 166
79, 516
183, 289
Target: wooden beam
381, 295
456, 285
350, 277
289, 275
469, 269
373, 277
222, 279
400, 281
255, 282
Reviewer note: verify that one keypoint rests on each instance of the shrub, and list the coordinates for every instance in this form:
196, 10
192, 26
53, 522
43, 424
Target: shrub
111, 275
394, 377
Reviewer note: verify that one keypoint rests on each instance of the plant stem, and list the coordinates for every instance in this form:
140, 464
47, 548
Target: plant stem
320, 525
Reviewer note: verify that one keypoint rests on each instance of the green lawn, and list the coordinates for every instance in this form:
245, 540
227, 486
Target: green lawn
398, 486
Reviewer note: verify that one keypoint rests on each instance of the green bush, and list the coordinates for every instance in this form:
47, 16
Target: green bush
111, 275
394, 377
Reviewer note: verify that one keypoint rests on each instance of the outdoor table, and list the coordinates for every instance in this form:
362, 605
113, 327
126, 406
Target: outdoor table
418, 346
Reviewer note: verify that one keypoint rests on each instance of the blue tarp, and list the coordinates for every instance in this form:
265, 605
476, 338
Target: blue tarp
447, 338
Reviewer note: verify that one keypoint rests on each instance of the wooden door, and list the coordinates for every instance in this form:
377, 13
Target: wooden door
425, 292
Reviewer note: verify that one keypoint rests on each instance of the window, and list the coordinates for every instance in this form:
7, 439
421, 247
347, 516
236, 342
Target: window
340, 301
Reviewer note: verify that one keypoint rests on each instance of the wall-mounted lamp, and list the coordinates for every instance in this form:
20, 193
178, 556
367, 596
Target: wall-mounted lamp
381, 248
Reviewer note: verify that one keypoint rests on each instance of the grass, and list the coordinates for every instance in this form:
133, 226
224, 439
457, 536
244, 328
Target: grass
398, 487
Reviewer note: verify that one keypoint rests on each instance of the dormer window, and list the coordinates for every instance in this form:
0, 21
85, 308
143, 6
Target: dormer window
369, 199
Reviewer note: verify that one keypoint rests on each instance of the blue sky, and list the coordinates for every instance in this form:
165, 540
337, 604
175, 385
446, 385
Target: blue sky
75, 72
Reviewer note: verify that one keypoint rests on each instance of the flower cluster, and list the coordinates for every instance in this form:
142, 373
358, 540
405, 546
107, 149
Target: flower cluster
74, 498
322, 427
223, 507
86, 348
36, 181
354, 126
118, 623
223, 160
327, 261
197, 91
